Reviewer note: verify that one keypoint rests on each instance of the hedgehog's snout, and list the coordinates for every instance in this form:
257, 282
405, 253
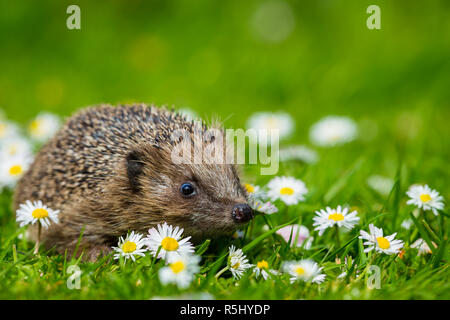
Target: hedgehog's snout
242, 213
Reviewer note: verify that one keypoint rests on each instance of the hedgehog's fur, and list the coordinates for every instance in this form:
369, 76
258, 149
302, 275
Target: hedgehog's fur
109, 171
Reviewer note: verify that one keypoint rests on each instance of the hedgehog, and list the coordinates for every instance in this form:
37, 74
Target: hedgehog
110, 170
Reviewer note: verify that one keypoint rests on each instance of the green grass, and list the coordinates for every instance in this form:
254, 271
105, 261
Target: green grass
394, 82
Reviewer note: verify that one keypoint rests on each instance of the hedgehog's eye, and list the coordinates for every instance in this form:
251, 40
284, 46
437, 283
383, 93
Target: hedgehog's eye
187, 190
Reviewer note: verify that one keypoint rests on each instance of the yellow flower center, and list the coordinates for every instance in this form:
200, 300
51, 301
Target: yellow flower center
236, 265
2, 129
15, 170
336, 217
129, 247
425, 197
287, 191
35, 126
383, 243
272, 123
262, 264
249, 188
39, 213
177, 266
300, 271
169, 244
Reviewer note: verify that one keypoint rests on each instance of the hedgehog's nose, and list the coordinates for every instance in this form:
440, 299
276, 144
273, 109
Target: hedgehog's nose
242, 213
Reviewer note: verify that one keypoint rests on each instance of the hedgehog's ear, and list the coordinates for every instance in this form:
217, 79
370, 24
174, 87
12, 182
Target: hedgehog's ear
134, 169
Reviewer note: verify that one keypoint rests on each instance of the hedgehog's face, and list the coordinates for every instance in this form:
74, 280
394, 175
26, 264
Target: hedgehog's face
207, 200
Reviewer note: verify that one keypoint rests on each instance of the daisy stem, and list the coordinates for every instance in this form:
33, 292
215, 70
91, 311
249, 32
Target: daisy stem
38, 240
266, 219
221, 271
338, 241
155, 257
430, 231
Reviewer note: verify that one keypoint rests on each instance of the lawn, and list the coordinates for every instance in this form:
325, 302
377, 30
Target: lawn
231, 59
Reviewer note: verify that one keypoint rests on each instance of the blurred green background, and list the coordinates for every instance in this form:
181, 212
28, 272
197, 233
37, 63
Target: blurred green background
232, 58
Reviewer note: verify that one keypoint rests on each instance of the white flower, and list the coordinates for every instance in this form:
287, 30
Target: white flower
264, 207
44, 126
422, 246
300, 153
380, 184
12, 169
170, 241
297, 234
305, 270
32, 212
131, 246
407, 223
253, 191
375, 240
264, 122
329, 217
425, 198
238, 234
15, 146
333, 130
7, 129
237, 262
262, 268
288, 189
180, 271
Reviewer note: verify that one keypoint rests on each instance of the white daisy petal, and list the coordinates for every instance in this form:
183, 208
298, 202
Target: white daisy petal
387, 244
32, 212
305, 270
133, 245
288, 189
328, 218
333, 130
168, 241
425, 198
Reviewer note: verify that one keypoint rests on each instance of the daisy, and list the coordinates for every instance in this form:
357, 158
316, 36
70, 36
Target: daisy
382, 185
262, 268
425, 198
44, 126
7, 129
180, 271
264, 207
407, 224
131, 246
15, 146
287, 189
340, 217
12, 169
265, 122
333, 130
299, 153
32, 212
298, 234
168, 241
305, 270
238, 234
422, 246
253, 191
375, 240
237, 262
